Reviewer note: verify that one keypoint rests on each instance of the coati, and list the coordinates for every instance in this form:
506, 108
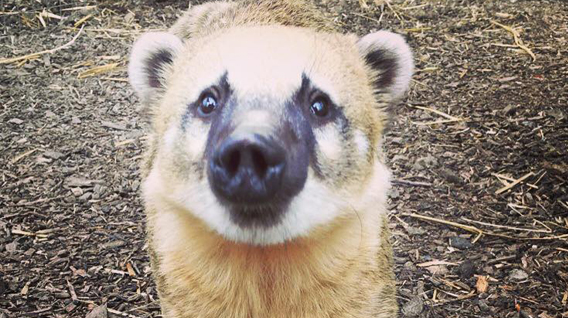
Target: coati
264, 186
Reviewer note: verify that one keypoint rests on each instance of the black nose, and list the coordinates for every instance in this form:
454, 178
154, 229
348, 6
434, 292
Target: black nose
247, 169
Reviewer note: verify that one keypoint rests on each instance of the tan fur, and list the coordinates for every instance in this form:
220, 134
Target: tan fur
343, 268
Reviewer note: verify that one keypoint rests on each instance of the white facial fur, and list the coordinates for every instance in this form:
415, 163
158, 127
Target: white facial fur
316, 205
260, 63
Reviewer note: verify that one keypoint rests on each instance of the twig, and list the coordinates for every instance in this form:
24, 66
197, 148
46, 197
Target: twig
72, 291
79, 8
34, 55
82, 20
500, 176
458, 297
506, 227
481, 232
458, 225
115, 79
435, 263
20, 232
42, 200
514, 183
517, 39
120, 313
412, 183
500, 259
444, 121
394, 11
450, 117
366, 17
25, 154
98, 70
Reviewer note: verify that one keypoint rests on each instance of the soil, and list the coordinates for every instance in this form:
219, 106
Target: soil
479, 146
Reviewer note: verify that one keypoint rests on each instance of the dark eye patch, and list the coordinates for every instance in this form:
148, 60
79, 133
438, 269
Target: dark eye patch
315, 103
209, 103
211, 100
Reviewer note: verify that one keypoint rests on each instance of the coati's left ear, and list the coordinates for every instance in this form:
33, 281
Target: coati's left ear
388, 55
150, 58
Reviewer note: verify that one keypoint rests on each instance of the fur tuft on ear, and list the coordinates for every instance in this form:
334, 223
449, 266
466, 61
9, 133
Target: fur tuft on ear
388, 55
151, 55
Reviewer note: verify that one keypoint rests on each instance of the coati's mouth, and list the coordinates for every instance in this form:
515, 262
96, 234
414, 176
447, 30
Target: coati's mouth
264, 216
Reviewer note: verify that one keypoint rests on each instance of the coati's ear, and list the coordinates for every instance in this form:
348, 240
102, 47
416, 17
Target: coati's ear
151, 56
388, 55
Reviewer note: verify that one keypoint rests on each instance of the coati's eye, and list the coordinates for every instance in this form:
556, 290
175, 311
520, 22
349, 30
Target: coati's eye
207, 104
320, 107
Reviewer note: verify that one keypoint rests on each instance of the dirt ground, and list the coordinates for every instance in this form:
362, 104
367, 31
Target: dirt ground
479, 147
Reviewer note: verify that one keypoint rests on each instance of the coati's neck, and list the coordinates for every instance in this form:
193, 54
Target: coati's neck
295, 279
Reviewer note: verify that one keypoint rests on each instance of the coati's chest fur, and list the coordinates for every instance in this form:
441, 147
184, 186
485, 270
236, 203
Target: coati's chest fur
264, 186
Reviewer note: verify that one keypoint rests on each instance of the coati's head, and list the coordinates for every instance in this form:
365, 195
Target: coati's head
268, 133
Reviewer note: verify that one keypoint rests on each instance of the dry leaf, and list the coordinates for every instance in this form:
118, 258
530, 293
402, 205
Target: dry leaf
130, 270
25, 290
481, 284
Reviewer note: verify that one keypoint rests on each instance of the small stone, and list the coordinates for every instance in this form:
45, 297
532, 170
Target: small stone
437, 269
129, 17
394, 193
16, 121
114, 244
3, 287
415, 230
397, 140
53, 154
460, 242
509, 110
79, 182
483, 305
77, 191
410, 266
466, 269
70, 307
399, 158
98, 312
518, 275
117, 126
451, 176
12, 247
75, 120
86, 196
413, 307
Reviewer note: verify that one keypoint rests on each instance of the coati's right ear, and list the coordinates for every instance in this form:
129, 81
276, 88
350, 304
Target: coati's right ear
151, 56
390, 59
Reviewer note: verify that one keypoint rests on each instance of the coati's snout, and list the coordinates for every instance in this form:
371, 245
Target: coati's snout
256, 169
247, 169
250, 173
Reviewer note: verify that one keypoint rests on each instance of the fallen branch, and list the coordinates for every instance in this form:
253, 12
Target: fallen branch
37, 54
